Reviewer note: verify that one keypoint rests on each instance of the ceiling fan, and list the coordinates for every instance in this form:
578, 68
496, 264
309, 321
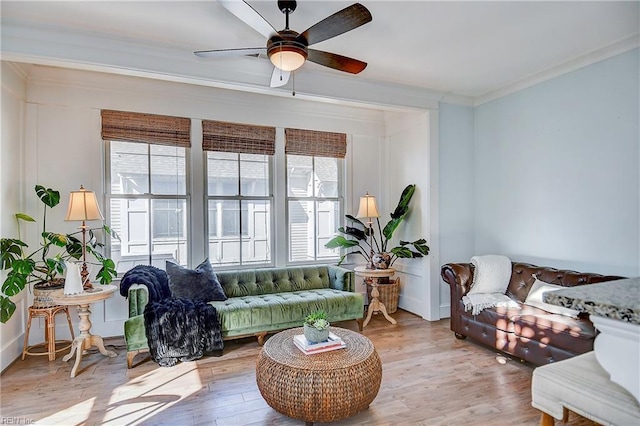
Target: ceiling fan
289, 50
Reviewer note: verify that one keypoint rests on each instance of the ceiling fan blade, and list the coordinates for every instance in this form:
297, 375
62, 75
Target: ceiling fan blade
335, 61
340, 22
225, 53
250, 16
279, 78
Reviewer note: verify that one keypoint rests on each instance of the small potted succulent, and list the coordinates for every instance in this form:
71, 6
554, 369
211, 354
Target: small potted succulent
316, 327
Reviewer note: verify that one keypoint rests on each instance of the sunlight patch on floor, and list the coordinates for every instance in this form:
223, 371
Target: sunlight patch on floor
70, 415
145, 396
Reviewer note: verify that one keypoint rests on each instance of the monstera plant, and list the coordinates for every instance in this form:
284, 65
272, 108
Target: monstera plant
362, 240
43, 265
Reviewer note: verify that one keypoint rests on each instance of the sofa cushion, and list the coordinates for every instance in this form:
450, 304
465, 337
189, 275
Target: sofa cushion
274, 311
572, 334
498, 317
534, 298
199, 284
273, 280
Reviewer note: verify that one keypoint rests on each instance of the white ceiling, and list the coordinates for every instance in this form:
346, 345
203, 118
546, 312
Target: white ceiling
468, 49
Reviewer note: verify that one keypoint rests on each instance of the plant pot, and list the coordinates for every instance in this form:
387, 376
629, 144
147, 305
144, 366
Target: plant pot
43, 293
313, 335
381, 260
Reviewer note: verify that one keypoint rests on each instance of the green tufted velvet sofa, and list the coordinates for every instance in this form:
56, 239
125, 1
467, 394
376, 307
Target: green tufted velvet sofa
261, 301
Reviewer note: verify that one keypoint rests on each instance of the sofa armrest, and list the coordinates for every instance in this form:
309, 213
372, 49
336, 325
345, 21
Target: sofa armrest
138, 297
341, 278
459, 276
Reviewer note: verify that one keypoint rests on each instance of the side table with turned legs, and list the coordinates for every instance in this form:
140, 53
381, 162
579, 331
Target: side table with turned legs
371, 277
86, 340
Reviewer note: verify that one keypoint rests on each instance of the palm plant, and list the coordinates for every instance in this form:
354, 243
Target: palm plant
42, 265
362, 240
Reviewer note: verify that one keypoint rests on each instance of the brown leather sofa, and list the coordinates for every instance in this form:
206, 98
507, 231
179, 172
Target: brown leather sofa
529, 333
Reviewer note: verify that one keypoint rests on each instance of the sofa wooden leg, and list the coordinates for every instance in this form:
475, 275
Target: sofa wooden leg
547, 420
261, 337
460, 336
130, 356
360, 321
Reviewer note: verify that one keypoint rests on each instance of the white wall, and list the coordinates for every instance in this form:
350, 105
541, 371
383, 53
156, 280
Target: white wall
556, 170
456, 172
410, 157
14, 93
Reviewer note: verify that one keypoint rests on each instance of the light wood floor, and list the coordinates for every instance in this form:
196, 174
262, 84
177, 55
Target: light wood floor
429, 378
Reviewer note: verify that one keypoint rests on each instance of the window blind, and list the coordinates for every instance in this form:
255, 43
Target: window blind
146, 128
315, 143
239, 138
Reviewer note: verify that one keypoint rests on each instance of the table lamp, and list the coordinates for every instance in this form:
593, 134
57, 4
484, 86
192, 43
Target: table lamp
83, 206
368, 209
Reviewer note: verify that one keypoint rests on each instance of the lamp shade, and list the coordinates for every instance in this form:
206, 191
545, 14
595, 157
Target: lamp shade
368, 207
83, 205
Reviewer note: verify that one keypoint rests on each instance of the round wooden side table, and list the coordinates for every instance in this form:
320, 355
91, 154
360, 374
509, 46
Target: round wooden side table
86, 340
371, 278
323, 387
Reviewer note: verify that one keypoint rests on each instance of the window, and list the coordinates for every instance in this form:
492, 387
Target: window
147, 191
239, 195
150, 201
314, 192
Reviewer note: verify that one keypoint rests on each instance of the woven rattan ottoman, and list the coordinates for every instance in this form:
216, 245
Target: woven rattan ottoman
322, 387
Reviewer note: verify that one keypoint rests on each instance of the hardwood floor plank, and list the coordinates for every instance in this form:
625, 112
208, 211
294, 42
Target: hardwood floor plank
429, 378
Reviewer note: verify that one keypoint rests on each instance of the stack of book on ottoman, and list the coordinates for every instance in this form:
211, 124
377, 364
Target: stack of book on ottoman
334, 342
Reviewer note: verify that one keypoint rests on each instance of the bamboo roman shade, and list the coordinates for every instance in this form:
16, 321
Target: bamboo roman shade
315, 143
146, 128
239, 138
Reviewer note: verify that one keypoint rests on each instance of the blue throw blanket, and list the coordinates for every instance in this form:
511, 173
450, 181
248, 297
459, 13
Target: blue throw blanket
181, 330
156, 280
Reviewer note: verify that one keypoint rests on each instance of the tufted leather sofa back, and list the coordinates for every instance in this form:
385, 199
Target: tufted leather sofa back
522, 278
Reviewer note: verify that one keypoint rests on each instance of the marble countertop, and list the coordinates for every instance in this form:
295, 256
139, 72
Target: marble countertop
613, 299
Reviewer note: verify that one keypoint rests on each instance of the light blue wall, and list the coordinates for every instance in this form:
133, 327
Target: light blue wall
456, 160
556, 171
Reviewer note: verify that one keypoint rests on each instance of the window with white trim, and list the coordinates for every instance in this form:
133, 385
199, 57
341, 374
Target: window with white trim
314, 193
239, 193
147, 190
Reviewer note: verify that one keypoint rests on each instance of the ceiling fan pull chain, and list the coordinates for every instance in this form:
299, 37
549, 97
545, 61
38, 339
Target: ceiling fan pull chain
293, 81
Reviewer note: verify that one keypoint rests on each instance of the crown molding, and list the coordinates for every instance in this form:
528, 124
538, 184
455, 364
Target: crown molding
61, 47
582, 61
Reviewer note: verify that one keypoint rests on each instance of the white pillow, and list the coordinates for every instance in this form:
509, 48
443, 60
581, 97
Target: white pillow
534, 298
492, 274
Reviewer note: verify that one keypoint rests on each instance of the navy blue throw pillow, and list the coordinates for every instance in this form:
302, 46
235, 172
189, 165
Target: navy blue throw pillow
199, 284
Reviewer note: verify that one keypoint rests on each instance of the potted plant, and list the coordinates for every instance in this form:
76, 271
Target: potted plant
43, 265
316, 327
361, 235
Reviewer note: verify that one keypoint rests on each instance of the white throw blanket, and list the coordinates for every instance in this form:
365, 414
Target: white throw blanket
479, 301
490, 280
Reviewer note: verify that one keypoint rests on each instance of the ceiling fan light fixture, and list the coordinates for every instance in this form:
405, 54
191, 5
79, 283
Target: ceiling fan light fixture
287, 57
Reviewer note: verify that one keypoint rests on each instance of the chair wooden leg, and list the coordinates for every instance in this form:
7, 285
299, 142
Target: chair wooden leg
359, 321
66, 311
565, 414
50, 324
26, 337
546, 420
